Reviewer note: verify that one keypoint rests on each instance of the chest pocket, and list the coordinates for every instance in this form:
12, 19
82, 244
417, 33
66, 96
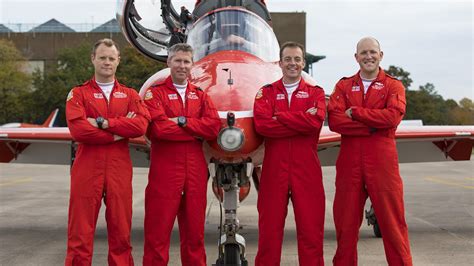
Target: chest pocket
194, 104
96, 105
302, 101
120, 104
377, 99
354, 96
171, 104
280, 101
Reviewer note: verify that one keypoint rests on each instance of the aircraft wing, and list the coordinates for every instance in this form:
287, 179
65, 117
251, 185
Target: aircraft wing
414, 144
52, 145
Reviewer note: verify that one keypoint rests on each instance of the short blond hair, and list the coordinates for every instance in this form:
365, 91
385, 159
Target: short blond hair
107, 42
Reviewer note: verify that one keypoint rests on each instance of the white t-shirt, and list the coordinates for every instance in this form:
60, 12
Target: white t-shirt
106, 88
181, 90
366, 83
290, 88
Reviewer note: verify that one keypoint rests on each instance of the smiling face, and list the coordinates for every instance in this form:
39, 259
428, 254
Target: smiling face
292, 64
180, 65
105, 60
368, 55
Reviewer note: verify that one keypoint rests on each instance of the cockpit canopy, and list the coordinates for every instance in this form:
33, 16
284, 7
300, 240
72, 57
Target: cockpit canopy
233, 29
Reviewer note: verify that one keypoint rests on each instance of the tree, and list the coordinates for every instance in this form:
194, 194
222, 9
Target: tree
426, 104
73, 68
15, 84
463, 114
467, 104
51, 87
400, 74
135, 68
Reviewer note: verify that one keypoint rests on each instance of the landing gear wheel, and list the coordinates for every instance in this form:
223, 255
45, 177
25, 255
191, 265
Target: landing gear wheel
372, 220
232, 255
377, 232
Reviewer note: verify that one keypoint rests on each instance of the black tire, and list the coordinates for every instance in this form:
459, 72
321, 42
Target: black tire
232, 255
377, 232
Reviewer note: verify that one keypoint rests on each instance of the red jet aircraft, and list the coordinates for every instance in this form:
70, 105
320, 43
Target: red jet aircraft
231, 72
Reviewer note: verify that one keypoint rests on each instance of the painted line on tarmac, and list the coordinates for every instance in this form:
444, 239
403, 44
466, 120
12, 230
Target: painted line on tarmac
441, 181
421, 220
14, 182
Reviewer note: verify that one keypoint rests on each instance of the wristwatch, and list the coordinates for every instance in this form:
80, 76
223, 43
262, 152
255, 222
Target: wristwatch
182, 121
100, 121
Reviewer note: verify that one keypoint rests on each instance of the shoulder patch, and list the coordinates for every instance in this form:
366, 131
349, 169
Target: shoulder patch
268, 85
148, 95
70, 95
199, 89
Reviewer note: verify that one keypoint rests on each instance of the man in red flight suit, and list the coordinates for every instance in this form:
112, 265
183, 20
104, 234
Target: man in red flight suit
366, 110
182, 115
102, 115
289, 113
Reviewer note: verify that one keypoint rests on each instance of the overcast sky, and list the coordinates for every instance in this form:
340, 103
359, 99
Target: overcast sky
433, 40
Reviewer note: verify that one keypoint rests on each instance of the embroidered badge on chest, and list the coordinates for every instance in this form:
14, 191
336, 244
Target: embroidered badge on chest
302, 95
355, 88
120, 95
280, 96
192, 96
98, 95
378, 86
173, 96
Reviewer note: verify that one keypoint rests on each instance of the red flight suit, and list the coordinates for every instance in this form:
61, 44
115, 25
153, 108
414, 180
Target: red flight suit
102, 169
291, 169
177, 181
367, 165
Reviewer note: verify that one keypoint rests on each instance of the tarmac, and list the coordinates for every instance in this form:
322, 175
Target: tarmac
439, 206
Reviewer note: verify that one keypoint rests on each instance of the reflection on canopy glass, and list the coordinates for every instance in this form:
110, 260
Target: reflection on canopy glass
233, 29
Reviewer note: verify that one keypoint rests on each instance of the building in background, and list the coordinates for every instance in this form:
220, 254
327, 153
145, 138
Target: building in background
40, 44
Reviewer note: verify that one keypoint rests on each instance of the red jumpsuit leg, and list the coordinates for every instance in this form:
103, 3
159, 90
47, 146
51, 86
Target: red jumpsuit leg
192, 212
348, 207
118, 214
84, 205
272, 205
162, 199
309, 203
385, 188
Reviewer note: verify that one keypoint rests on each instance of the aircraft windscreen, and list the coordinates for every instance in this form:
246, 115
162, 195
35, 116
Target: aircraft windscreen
233, 30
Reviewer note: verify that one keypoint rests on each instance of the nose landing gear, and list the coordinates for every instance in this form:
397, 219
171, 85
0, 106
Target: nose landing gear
231, 184
372, 220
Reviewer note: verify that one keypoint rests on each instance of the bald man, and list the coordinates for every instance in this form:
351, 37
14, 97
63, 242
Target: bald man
366, 109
